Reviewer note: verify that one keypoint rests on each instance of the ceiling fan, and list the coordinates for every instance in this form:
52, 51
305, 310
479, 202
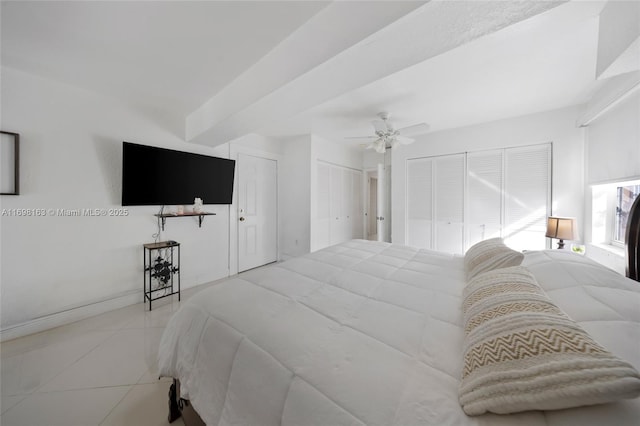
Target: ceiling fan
386, 136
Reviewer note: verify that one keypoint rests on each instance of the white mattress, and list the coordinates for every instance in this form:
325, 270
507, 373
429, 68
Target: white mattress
371, 333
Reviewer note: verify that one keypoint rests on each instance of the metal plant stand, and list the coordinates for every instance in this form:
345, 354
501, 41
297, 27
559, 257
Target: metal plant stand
161, 270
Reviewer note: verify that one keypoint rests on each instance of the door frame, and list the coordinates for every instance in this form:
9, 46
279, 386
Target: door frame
372, 172
234, 153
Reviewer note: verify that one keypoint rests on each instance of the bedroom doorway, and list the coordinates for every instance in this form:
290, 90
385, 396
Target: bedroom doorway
378, 204
372, 208
257, 211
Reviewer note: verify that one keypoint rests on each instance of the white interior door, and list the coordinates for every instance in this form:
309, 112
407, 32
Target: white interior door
257, 212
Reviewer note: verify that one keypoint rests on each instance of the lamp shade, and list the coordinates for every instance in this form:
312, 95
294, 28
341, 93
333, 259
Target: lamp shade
563, 228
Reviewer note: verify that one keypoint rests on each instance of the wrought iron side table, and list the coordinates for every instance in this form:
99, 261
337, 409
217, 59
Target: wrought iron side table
161, 270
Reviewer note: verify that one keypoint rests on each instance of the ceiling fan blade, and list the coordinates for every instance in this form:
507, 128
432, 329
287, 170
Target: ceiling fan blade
360, 137
416, 129
404, 140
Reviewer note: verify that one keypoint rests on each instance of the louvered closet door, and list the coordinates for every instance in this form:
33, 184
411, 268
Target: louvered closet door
484, 195
346, 221
527, 196
419, 202
323, 220
336, 200
449, 174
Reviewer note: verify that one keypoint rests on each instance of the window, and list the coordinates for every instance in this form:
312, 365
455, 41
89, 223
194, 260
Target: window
610, 207
625, 195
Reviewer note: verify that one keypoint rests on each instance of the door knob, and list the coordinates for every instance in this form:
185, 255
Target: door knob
242, 219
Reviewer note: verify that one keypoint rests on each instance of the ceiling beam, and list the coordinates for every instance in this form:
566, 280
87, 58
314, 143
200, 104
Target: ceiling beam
282, 85
618, 39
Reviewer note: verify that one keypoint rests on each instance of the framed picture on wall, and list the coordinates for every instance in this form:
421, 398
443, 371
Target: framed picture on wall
9, 163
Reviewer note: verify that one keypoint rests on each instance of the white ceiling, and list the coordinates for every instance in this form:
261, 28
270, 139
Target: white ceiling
207, 56
172, 53
544, 63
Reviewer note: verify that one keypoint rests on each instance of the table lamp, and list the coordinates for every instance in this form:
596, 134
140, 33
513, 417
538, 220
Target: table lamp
561, 228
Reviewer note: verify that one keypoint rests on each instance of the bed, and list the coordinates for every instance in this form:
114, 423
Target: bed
372, 333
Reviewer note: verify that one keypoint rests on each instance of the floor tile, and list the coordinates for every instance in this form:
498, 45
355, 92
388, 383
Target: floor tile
151, 376
120, 360
86, 407
158, 317
55, 336
144, 405
24, 372
10, 401
98, 371
112, 320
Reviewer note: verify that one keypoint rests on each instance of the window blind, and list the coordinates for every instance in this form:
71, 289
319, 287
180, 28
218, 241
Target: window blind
419, 202
527, 196
484, 195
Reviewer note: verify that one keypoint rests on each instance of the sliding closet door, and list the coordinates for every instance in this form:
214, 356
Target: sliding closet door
527, 196
484, 195
449, 203
435, 203
507, 194
339, 206
419, 202
336, 206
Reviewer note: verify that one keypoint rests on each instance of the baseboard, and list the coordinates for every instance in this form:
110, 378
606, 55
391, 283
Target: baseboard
68, 316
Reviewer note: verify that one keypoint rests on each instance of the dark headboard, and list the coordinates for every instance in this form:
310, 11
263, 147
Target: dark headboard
633, 241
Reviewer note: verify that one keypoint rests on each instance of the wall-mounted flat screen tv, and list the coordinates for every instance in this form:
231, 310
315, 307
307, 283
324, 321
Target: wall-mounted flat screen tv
153, 176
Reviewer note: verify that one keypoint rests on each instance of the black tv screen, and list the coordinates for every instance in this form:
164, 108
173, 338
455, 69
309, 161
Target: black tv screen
153, 176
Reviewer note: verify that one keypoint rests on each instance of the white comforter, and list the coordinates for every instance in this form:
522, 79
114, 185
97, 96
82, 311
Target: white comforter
370, 333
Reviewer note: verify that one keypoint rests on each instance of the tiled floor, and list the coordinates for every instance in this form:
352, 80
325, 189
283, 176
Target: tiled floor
98, 371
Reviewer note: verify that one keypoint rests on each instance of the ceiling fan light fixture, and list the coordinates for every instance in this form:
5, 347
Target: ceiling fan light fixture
387, 136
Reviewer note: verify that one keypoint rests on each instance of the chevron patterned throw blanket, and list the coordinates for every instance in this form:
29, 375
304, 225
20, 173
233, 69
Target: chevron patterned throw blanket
523, 353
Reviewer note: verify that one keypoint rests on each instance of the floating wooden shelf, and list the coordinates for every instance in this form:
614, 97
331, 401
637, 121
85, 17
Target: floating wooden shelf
200, 216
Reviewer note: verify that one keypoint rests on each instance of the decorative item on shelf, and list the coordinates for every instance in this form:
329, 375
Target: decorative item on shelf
197, 205
578, 248
561, 228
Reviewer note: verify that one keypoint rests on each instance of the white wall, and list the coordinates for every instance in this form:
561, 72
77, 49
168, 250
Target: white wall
613, 143
553, 126
71, 151
295, 175
612, 154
